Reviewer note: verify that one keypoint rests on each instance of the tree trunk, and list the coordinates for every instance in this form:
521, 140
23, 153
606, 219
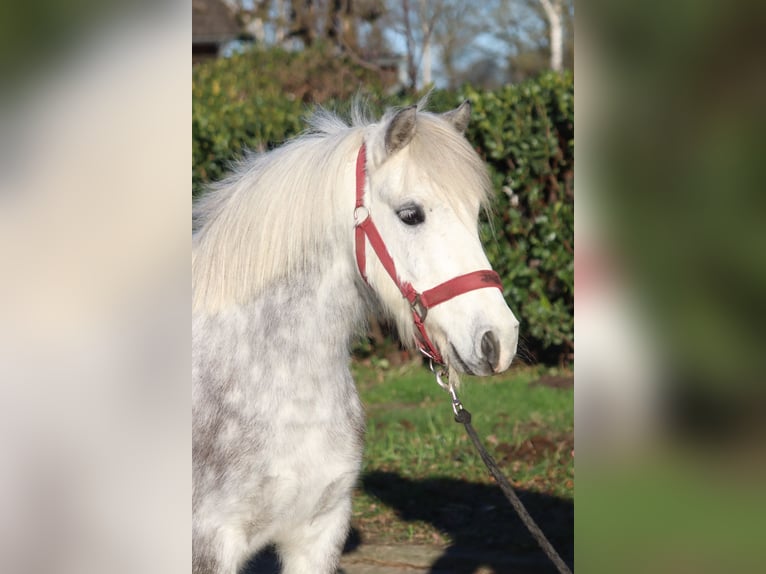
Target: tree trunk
412, 69
279, 23
303, 16
426, 55
426, 64
553, 10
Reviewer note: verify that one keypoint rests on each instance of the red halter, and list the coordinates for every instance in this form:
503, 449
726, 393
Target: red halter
419, 302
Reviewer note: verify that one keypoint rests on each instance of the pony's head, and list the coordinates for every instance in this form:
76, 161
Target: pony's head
424, 188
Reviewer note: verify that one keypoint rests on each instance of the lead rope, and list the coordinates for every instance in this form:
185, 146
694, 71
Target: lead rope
464, 417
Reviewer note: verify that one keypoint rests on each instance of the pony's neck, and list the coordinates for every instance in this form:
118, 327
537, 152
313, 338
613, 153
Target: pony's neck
315, 312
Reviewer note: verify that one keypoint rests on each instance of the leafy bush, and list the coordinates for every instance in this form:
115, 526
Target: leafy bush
525, 132
255, 100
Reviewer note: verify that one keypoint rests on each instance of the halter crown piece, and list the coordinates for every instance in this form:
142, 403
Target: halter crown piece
420, 303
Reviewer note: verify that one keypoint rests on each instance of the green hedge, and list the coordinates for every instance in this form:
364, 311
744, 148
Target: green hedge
525, 132
256, 100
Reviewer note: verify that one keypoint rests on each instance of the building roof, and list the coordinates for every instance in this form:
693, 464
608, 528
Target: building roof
213, 21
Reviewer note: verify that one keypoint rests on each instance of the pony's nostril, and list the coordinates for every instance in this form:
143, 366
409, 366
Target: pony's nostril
490, 348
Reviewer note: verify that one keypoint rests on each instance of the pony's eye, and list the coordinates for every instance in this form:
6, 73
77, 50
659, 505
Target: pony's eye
411, 214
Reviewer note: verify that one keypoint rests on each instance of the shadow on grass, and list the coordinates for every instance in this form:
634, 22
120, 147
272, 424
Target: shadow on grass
478, 519
481, 523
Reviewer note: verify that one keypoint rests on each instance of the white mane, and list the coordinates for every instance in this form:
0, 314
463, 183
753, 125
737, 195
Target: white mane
276, 213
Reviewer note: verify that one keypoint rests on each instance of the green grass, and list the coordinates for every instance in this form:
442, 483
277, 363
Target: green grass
675, 510
423, 482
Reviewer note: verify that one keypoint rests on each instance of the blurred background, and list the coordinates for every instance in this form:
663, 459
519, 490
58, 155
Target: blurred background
669, 264
670, 282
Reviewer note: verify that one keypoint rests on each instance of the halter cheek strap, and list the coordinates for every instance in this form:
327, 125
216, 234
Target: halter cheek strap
420, 303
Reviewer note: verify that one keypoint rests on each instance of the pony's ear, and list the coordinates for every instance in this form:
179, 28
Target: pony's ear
460, 116
400, 129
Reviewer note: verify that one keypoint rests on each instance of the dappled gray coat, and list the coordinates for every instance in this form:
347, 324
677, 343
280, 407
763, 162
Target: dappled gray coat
277, 423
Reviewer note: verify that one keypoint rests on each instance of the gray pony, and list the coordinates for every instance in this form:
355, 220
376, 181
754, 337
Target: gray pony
278, 426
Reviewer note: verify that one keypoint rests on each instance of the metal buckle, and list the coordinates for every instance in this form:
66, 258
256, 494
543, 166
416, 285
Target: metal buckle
419, 308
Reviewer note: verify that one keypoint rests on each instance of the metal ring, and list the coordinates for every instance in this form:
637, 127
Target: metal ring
446, 386
357, 219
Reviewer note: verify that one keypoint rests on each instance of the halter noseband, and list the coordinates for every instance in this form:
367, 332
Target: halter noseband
420, 303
